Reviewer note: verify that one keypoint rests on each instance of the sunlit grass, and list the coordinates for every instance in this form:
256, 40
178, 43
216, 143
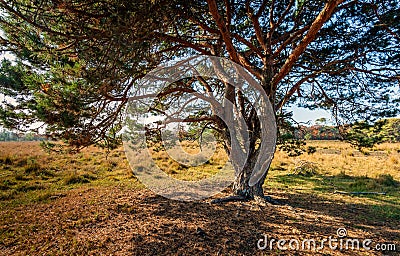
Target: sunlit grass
204, 168
339, 167
29, 175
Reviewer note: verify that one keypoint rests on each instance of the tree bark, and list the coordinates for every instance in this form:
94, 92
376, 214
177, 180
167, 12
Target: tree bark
241, 185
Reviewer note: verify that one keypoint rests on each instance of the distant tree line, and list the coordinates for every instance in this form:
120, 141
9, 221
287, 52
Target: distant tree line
6, 135
385, 130
392, 130
361, 135
319, 132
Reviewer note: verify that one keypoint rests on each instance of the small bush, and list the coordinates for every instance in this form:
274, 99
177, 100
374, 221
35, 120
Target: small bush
79, 179
365, 183
343, 175
26, 188
9, 182
45, 173
8, 195
387, 180
31, 166
306, 168
311, 150
7, 160
20, 162
21, 177
4, 186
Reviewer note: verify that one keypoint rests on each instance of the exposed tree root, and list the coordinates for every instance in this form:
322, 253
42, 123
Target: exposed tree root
265, 200
232, 198
261, 200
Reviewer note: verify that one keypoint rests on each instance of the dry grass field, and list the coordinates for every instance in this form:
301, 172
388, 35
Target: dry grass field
90, 203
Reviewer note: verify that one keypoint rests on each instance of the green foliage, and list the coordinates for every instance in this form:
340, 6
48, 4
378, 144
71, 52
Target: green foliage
381, 183
391, 130
7, 160
76, 64
79, 179
364, 135
387, 180
287, 140
293, 147
32, 166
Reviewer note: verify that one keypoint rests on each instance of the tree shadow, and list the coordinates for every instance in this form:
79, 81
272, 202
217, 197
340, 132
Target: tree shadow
182, 228
138, 222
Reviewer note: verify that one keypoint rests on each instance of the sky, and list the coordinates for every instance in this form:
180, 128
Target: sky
304, 115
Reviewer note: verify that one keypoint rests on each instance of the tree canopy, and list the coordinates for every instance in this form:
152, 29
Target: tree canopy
76, 61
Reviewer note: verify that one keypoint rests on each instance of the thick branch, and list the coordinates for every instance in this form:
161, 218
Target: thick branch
323, 16
289, 40
257, 27
248, 44
385, 26
189, 119
212, 5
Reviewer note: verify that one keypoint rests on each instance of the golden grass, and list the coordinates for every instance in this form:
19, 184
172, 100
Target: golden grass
331, 157
29, 174
205, 167
335, 157
339, 167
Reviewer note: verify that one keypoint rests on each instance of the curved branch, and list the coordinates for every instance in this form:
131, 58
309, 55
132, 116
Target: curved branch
181, 41
212, 5
257, 27
322, 17
294, 88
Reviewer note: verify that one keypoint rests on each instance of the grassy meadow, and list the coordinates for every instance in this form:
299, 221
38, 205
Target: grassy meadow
95, 187
29, 174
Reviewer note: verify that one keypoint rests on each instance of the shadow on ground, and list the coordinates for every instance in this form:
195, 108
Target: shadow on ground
137, 222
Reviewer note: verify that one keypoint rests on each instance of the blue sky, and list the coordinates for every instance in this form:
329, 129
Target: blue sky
305, 115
